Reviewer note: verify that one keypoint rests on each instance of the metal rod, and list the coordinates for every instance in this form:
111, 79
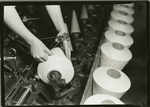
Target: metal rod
7, 95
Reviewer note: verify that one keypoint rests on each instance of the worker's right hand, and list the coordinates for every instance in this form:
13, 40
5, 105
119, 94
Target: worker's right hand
39, 51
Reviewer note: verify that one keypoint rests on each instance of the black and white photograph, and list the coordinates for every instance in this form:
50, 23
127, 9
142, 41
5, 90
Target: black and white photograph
74, 53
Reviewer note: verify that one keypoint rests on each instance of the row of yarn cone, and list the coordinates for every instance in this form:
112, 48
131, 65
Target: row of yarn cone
110, 83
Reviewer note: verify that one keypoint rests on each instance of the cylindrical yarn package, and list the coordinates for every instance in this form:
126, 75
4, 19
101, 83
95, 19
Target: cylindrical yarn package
57, 62
118, 37
121, 7
102, 99
131, 5
120, 25
110, 81
115, 55
121, 15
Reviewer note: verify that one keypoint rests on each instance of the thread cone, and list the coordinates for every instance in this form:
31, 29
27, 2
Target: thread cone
69, 40
56, 62
66, 28
74, 23
84, 14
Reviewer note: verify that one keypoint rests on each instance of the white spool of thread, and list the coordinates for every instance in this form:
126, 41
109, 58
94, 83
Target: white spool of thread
114, 55
56, 62
118, 37
131, 5
120, 25
84, 13
110, 81
125, 8
102, 99
121, 15
74, 23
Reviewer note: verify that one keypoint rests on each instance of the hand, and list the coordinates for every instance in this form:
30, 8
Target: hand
39, 51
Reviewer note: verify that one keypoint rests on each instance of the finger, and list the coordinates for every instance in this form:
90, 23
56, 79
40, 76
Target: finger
48, 52
39, 60
45, 57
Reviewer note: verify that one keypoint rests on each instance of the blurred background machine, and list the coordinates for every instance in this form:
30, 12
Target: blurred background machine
86, 24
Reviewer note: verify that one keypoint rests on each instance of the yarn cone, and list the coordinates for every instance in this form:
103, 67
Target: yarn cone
74, 23
69, 40
130, 5
57, 62
84, 14
102, 99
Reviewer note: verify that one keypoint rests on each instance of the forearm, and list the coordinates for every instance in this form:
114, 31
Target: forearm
54, 12
13, 21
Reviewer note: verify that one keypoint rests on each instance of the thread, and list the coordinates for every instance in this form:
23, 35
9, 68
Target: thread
129, 5
84, 14
118, 37
121, 15
114, 55
102, 99
125, 8
120, 25
110, 81
74, 23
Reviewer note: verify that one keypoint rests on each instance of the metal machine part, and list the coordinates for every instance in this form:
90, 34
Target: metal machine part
13, 53
23, 94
